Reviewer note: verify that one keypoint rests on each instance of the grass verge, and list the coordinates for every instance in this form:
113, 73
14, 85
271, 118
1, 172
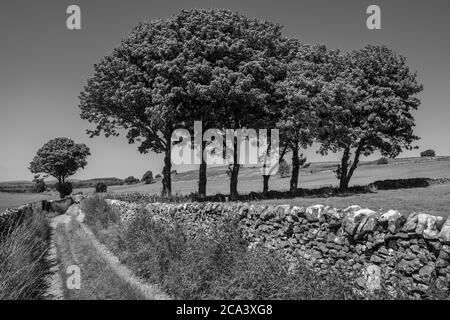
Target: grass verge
23, 265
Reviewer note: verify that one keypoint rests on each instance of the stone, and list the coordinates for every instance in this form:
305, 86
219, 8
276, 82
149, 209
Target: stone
411, 223
410, 266
426, 272
315, 213
352, 218
352, 209
444, 235
373, 280
394, 220
367, 225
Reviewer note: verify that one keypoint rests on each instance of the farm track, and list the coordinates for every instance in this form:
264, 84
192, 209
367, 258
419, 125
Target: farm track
103, 277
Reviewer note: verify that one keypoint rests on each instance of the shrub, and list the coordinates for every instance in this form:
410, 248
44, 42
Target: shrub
158, 176
284, 169
65, 189
100, 187
382, 161
39, 186
147, 177
428, 153
131, 180
218, 265
401, 183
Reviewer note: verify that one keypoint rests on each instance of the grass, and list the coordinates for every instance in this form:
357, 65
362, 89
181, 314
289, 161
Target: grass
98, 279
10, 200
23, 263
433, 200
207, 267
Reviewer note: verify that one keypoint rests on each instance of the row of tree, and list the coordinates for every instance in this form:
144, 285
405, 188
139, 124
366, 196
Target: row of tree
231, 71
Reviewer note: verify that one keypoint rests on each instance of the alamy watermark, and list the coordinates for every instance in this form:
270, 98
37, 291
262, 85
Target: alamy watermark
253, 147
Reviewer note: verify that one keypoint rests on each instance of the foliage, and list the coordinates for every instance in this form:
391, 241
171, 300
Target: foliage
100, 187
382, 160
368, 107
217, 266
428, 153
147, 177
158, 176
131, 180
284, 169
169, 71
64, 188
39, 184
60, 158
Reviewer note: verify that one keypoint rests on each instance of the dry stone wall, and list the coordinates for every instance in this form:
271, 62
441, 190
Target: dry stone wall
373, 247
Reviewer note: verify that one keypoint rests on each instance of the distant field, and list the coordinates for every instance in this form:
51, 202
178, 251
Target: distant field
317, 175
432, 200
435, 199
9, 200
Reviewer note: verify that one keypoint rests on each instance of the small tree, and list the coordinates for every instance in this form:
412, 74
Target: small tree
131, 180
39, 184
284, 169
428, 153
64, 188
158, 176
60, 158
147, 177
101, 187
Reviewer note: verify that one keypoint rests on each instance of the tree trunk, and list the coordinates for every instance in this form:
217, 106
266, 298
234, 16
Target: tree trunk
343, 181
266, 183
295, 169
234, 174
202, 179
167, 180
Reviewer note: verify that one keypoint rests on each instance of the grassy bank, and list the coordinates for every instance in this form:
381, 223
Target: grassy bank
23, 263
217, 266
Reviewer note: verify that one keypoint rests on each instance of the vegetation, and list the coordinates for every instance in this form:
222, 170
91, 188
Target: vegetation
60, 158
64, 188
23, 264
101, 188
284, 169
215, 267
39, 185
147, 177
131, 180
428, 153
382, 161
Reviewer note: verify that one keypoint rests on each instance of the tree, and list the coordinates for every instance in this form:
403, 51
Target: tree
428, 153
101, 187
309, 68
131, 180
367, 108
39, 184
60, 158
147, 177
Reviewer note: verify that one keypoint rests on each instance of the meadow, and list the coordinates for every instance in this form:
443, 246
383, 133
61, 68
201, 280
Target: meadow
434, 199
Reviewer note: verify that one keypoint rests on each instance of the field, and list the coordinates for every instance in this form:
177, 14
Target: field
9, 200
434, 199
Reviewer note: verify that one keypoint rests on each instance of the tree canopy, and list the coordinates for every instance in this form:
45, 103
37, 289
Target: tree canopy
60, 158
368, 107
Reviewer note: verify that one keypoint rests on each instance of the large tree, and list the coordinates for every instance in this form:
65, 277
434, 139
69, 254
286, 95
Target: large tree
60, 158
309, 67
211, 65
368, 107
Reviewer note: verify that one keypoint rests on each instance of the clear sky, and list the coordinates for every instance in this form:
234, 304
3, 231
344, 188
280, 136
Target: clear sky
43, 66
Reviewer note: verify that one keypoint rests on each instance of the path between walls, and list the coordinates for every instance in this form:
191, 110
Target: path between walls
75, 244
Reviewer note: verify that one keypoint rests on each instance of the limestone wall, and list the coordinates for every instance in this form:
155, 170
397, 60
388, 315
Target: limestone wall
372, 246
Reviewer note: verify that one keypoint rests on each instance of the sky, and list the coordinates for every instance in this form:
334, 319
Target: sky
44, 66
